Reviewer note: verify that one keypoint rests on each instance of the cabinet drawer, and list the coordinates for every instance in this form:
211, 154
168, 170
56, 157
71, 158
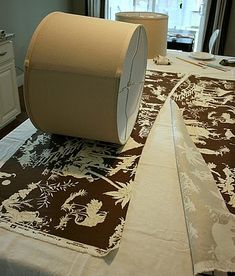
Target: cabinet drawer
6, 52
9, 99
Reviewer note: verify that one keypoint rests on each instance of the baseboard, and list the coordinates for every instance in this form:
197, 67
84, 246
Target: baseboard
20, 80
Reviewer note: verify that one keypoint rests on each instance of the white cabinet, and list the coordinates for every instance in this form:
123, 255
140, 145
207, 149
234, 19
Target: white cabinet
9, 97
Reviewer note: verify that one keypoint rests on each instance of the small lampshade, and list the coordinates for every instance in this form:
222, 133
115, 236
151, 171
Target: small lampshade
84, 76
155, 24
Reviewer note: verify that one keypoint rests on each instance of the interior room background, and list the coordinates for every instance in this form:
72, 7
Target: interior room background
197, 17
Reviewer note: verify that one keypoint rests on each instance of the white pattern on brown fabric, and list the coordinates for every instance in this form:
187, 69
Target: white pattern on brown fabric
210, 225
208, 107
75, 192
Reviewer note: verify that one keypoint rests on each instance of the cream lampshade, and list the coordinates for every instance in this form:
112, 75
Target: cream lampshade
84, 76
155, 24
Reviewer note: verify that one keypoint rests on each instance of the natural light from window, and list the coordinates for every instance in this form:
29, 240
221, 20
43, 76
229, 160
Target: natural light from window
184, 15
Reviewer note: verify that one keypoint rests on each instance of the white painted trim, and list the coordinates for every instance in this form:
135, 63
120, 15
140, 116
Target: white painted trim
20, 80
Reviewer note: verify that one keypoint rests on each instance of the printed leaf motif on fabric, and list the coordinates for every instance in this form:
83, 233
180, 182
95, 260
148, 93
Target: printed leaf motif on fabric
75, 192
208, 106
209, 223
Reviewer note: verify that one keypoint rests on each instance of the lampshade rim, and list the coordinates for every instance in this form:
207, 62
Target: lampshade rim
131, 15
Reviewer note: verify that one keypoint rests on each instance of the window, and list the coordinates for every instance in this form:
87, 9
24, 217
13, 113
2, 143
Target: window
185, 16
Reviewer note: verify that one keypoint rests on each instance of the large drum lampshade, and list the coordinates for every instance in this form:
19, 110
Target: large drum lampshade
84, 76
156, 26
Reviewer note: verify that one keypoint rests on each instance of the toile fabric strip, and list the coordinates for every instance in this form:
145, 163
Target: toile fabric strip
210, 225
208, 108
75, 192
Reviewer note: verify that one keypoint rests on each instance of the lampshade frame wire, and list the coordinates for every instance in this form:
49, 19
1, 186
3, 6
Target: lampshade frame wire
129, 85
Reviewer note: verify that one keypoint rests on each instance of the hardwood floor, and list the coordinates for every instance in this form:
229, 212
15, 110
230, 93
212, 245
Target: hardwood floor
19, 119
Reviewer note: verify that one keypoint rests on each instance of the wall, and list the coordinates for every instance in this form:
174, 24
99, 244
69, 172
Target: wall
22, 17
79, 7
230, 41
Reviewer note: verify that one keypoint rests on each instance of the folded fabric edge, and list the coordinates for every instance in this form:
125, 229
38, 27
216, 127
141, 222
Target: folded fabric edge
223, 216
76, 246
209, 266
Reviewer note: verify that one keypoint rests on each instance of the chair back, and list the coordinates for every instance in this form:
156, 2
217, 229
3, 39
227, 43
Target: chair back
212, 40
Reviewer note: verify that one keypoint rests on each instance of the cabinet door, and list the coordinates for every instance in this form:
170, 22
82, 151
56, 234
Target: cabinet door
9, 98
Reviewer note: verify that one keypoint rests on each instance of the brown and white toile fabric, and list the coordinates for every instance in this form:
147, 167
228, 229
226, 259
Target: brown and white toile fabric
208, 108
210, 225
75, 192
